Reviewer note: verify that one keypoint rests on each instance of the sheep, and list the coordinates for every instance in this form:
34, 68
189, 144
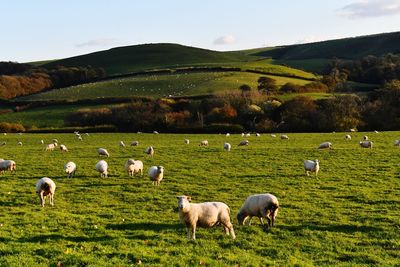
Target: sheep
273, 135
247, 135
325, 145
55, 140
227, 134
347, 137
80, 138
155, 132
206, 214
187, 141
244, 143
150, 151
156, 174
204, 143
258, 135
19, 143
102, 168
63, 148
311, 166
50, 147
70, 169
121, 144
365, 138
242, 134
261, 206
45, 187
8, 165
353, 130
376, 131
397, 143
284, 137
227, 147
103, 152
134, 143
366, 144
134, 166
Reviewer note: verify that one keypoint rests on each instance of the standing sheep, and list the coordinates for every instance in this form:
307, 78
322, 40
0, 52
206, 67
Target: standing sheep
103, 152
311, 166
259, 205
366, 144
206, 214
204, 143
70, 169
325, 145
156, 174
227, 147
102, 168
244, 143
45, 187
150, 151
8, 165
63, 148
134, 166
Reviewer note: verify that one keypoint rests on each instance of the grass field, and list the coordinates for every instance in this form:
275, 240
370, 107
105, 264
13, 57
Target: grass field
348, 216
160, 85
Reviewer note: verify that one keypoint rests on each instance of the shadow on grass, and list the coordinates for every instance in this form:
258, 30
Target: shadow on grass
57, 237
332, 228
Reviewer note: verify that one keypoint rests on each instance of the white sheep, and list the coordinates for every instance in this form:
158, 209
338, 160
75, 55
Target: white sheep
243, 134
45, 187
187, 141
273, 135
155, 132
134, 143
284, 137
227, 147
261, 206
247, 135
103, 152
311, 166
244, 143
50, 147
121, 144
102, 168
365, 138
156, 174
376, 131
150, 151
353, 130
134, 166
70, 169
258, 135
325, 145
227, 134
8, 165
19, 143
204, 143
206, 214
347, 137
366, 144
80, 138
397, 143
63, 148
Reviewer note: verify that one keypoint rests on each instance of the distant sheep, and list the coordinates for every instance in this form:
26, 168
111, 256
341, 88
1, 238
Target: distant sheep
121, 144
134, 166
273, 135
103, 152
206, 214
365, 138
45, 187
260, 205
247, 135
366, 144
155, 132
63, 148
204, 143
311, 166
19, 143
102, 168
284, 137
258, 135
187, 141
244, 143
50, 147
227, 147
353, 130
150, 151
347, 137
70, 169
325, 145
227, 134
134, 143
376, 131
8, 165
397, 143
156, 174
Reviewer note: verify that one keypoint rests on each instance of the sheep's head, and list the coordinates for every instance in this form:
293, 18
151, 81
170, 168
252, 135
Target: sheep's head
160, 169
183, 202
316, 161
241, 216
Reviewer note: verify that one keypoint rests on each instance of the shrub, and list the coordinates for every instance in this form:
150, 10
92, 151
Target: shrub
7, 127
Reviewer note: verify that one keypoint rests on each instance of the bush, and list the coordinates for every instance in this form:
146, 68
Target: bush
6, 127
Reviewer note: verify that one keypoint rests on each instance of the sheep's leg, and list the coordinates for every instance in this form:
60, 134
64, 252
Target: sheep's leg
193, 232
229, 229
41, 199
52, 199
261, 220
308, 173
265, 215
249, 220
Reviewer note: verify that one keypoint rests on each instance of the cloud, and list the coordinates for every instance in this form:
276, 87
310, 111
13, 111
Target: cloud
98, 42
224, 40
370, 8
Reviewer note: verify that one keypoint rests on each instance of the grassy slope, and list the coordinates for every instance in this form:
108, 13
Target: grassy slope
349, 216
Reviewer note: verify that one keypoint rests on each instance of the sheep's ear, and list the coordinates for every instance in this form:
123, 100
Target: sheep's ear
189, 198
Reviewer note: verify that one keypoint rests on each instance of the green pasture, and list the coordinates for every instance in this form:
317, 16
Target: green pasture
347, 216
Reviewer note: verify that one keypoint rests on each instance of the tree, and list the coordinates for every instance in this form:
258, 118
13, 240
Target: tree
267, 85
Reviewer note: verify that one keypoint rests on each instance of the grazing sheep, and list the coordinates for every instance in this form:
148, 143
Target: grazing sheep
376, 131
70, 169
187, 141
203, 143
311, 166
397, 143
353, 130
273, 135
244, 143
325, 145
242, 134
45, 187
50, 147
134, 166
247, 135
259, 205
134, 143
365, 138
103, 152
347, 137
102, 168
19, 143
63, 148
121, 144
284, 137
8, 165
227, 147
150, 151
156, 174
258, 135
227, 134
366, 144
206, 214
155, 132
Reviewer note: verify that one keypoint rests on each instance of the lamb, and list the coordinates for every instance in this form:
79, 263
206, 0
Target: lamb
45, 187
121, 144
365, 138
102, 168
187, 141
63, 148
227, 147
150, 151
311, 166
70, 169
103, 152
206, 214
284, 137
156, 174
134, 166
347, 137
397, 143
325, 145
244, 143
366, 144
8, 165
204, 143
261, 206
135, 143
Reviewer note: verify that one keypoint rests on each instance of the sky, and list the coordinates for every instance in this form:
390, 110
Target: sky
53, 29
